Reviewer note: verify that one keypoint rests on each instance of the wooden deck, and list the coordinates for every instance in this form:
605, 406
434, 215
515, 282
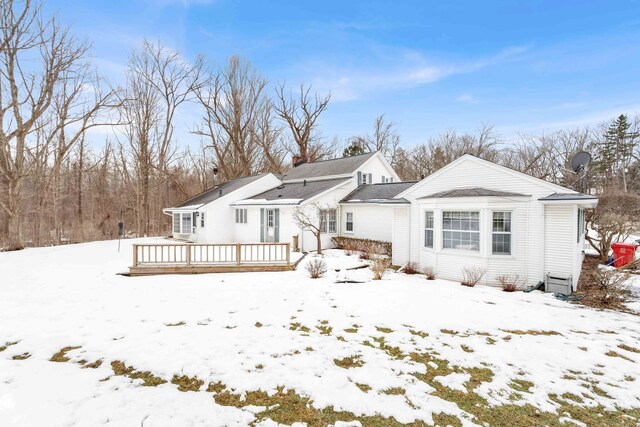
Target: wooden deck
150, 259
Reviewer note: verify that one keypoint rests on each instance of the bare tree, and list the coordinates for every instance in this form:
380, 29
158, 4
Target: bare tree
310, 218
612, 220
234, 102
300, 114
36, 56
385, 139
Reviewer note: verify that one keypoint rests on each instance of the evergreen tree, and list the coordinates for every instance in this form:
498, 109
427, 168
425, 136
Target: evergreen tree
616, 149
355, 148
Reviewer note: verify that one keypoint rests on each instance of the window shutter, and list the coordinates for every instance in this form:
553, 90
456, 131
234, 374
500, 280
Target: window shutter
261, 224
370, 180
276, 225
359, 178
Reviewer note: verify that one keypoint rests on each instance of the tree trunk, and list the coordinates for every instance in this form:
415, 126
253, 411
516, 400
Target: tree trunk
319, 243
15, 216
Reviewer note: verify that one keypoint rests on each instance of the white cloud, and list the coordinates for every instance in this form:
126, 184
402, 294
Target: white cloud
467, 99
395, 70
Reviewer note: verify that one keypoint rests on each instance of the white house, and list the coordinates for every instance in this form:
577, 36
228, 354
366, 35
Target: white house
471, 213
261, 208
474, 213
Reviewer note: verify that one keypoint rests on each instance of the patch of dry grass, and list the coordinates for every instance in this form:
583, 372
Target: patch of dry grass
61, 356
349, 362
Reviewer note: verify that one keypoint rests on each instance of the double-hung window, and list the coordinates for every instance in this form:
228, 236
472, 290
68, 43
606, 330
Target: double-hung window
501, 233
328, 221
194, 221
201, 219
580, 224
349, 222
461, 230
428, 229
186, 223
176, 222
241, 216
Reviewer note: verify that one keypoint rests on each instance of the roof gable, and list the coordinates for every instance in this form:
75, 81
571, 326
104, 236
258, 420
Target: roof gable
521, 177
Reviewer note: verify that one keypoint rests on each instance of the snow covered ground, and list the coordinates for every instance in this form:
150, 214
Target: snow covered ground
401, 347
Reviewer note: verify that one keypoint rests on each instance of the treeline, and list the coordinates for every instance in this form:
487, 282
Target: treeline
61, 181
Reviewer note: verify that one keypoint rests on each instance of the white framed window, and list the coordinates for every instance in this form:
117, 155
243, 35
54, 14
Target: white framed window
461, 230
241, 216
176, 222
194, 222
186, 223
501, 233
328, 221
581, 227
201, 219
271, 218
428, 229
349, 222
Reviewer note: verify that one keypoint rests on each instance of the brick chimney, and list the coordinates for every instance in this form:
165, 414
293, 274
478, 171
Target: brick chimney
297, 160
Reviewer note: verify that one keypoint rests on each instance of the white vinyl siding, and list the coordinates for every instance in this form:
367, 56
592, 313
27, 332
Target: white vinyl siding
461, 230
428, 229
501, 233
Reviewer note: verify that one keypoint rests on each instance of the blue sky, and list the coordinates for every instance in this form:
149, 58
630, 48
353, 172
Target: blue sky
522, 66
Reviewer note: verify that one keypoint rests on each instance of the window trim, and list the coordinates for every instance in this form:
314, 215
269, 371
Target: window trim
347, 222
202, 219
241, 216
326, 221
178, 223
431, 229
478, 232
510, 233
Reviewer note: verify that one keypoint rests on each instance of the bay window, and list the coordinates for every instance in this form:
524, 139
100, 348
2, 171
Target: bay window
461, 230
501, 233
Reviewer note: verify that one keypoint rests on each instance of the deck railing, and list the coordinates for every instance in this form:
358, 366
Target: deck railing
211, 254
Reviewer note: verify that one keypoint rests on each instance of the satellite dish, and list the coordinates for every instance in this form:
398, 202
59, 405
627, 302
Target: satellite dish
579, 161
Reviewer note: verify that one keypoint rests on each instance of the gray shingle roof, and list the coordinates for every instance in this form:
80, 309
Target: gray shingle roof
567, 196
472, 192
296, 192
334, 167
218, 191
378, 193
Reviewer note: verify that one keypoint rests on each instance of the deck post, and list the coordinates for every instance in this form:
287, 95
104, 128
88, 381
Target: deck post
238, 253
188, 254
135, 255
288, 248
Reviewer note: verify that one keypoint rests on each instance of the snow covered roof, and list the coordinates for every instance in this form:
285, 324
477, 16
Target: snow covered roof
378, 193
218, 191
333, 167
293, 193
472, 192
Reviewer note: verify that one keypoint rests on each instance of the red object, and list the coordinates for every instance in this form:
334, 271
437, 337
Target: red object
623, 253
